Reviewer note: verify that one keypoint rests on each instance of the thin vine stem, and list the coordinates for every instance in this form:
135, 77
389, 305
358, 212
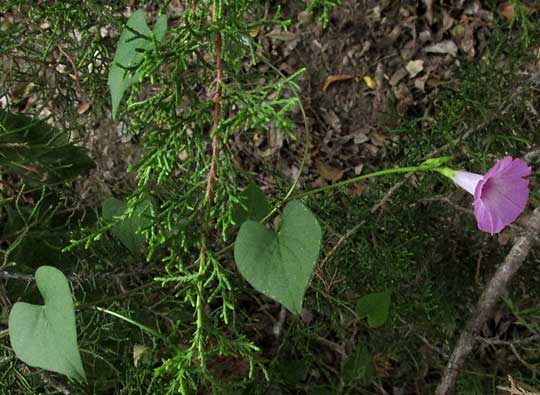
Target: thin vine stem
142, 327
379, 173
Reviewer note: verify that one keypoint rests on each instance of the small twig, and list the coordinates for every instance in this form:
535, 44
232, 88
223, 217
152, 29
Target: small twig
487, 303
520, 359
14, 276
55, 384
525, 340
331, 253
4, 274
341, 240
423, 338
75, 74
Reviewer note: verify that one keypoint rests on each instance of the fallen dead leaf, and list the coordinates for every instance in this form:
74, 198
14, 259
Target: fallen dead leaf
508, 10
255, 32
414, 67
370, 82
358, 169
384, 364
420, 83
443, 47
390, 38
334, 78
282, 35
357, 188
398, 75
329, 173
377, 138
360, 136
83, 107
139, 352
331, 119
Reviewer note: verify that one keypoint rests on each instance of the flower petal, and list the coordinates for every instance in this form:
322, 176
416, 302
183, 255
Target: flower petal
502, 195
509, 167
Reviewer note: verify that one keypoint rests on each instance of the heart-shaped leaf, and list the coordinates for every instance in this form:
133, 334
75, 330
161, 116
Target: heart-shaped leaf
279, 264
375, 307
127, 230
45, 336
254, 205
134, 41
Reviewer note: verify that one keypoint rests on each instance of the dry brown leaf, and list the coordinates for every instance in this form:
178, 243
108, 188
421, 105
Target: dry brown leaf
384, 364
139, 351
508, 10
255, 32
331, 119
329, 173
414, 67
360, 136
420, 83
336, 77
444, 47
398, 76
83, 107
357, 188
377, 138
282, 35
390, 38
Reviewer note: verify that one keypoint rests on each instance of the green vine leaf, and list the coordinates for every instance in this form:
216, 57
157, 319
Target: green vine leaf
279, 264
134, 41
375, 307
127, 231
254, 205
45, 336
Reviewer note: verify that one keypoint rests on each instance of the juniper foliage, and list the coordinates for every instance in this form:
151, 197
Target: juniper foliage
198, 88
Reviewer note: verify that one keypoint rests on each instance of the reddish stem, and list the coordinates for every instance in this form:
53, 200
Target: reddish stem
216, 117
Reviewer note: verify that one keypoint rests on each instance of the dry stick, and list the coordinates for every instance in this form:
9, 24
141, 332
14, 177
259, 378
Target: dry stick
75, 75
487, 303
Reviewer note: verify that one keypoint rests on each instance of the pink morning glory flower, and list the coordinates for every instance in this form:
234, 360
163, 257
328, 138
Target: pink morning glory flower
500, 195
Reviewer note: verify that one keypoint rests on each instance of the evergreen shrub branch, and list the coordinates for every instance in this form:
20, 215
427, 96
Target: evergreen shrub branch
197, 88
